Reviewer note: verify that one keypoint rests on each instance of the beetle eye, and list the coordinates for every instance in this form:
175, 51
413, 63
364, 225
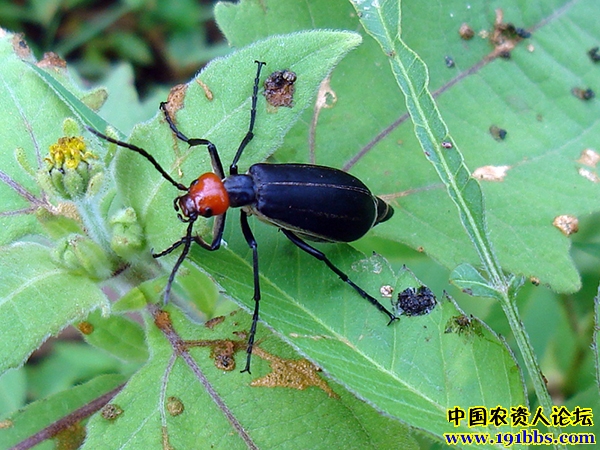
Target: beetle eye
207, 212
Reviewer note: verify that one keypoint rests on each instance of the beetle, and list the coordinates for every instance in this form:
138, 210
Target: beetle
304, 201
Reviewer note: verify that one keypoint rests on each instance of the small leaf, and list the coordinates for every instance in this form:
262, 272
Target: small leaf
38, 415
118, 336
467, 278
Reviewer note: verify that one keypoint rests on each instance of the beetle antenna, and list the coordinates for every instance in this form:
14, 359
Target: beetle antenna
212, 149
187, 242
233, 170
142, 152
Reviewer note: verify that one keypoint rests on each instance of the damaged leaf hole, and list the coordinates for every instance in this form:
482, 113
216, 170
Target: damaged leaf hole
279, 88
567, 224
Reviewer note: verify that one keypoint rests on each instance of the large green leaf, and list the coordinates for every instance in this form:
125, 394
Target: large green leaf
547, 126
270, 417
413, 370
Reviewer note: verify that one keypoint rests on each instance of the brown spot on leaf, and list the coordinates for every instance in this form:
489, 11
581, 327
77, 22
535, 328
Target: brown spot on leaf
162, 320
214, 322
463, 325
111, 411
221, 350
466, 32
491, 173
175, 99
498, 133
295, 374
20, 46
174, 406
207, 92
583, 93
85, 327
505, 36
52, 60
567, 224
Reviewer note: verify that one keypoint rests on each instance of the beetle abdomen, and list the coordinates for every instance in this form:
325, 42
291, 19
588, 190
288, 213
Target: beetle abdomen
319, 203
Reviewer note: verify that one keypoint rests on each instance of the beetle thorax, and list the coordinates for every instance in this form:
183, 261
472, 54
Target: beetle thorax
205, 197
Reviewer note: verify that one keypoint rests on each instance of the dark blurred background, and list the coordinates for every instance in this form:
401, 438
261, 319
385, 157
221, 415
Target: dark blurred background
166, 42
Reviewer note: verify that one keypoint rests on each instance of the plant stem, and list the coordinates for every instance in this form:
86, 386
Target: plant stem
93, 222
509, 307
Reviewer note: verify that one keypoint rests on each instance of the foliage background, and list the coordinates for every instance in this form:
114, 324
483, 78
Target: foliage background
164, 45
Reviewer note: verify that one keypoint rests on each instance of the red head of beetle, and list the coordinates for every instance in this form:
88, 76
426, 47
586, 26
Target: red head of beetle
205, 197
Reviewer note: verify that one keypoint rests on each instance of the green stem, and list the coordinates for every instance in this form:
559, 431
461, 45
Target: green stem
94, 224
535, 373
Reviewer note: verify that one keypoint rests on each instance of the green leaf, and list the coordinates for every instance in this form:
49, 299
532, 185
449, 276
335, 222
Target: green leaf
13, 391
38, 415
21, 92
38, 300
118, 336
413, 369
271, 416
78, 107
383, 23
467, 278
547, 126
302, 300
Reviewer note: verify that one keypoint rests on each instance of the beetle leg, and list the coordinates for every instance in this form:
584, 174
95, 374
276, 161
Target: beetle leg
218, 228
187, 241
212, 149
321, 257
170, 249
233, 170
253, 246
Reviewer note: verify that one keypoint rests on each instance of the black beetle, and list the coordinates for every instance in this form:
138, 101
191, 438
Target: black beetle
304, 201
